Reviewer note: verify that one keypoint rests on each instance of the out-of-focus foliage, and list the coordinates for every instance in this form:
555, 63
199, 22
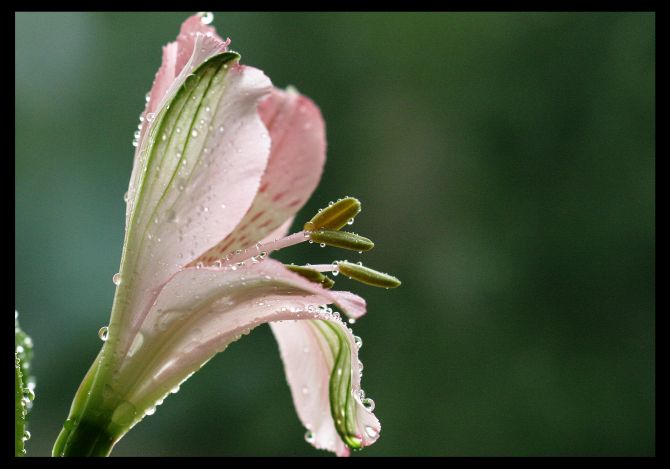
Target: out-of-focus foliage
506, 166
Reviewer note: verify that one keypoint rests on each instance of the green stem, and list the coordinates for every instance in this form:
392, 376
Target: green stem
88, 430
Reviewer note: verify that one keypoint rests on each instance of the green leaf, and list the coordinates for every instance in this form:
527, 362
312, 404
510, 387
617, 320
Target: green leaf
23, 386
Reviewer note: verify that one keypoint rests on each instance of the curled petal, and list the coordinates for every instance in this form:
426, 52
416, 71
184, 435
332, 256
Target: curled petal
296, 162
199, 312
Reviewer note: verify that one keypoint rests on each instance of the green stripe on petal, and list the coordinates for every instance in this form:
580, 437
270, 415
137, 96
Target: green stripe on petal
342, 403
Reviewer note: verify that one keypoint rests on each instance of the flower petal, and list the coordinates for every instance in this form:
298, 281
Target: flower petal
195, 44
296, 162
202, 167
200, 312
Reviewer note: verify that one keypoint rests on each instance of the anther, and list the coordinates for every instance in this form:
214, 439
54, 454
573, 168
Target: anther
367, 275
335, 216
312, 275
342, 239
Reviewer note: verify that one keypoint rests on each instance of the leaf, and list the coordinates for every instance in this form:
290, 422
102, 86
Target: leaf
24, 386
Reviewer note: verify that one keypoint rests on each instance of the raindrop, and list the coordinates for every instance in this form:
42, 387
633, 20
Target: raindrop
221, 128
206, 17
309, 436
164, 137
151, 411
352, 321
208, 109
151, 116
371, 432
103, 333
136, 345
175, 390
369, 404
116, 278
147, 97
323, 245
125, 197
350, 222
136, 135
26, 435
358, 341
28, 394
194, 133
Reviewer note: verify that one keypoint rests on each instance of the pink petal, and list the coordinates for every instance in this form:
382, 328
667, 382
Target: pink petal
195, 43
296, 162
198, 182
199, 312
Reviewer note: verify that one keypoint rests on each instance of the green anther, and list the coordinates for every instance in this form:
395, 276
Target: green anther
335, 216
367, 275
342, 239
312, 275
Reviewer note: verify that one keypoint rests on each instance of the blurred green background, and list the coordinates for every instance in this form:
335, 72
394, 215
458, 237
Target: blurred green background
506, 166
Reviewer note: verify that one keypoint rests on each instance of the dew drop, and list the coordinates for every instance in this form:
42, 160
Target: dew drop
194, 133
151, 411
221, 129
350, 221
323, 245
358, 341
26, 435
164, 137
206, 17
29, 394
151, 116
371, 432
352, 321
103, 333
147, 97
136, 345
369, 404
309, 436
125, 197
116, 278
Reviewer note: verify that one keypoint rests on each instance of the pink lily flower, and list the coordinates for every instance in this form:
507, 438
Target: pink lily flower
223, 162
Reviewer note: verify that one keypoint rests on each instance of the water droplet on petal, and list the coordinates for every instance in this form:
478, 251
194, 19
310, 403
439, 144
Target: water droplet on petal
369, 404
194, 133
125, 197
28, 394
206, 17
309, 436
26, 435
358, 341
151, 116
151, 411
103, 333
116, 278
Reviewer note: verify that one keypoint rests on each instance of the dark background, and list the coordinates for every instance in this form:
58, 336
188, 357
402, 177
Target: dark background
506, 166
